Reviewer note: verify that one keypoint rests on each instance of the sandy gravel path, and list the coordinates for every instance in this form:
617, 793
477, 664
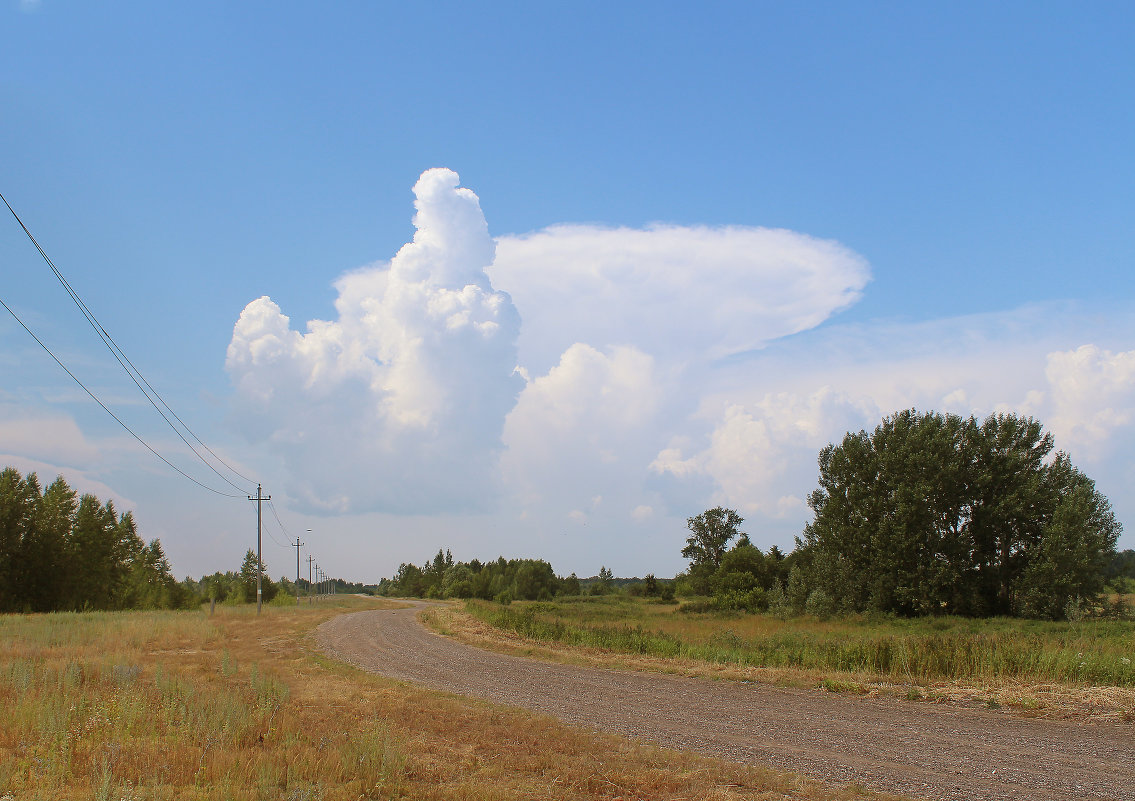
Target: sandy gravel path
918, 749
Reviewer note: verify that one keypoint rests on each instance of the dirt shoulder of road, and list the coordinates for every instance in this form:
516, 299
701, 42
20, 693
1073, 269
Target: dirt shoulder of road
1054, 701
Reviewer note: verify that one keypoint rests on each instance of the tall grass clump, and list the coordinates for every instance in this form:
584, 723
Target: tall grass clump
1095, 652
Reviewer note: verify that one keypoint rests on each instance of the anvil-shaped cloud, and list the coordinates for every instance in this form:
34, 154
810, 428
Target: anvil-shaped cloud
400, 405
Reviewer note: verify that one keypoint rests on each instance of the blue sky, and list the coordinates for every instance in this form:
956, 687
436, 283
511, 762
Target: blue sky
968, 167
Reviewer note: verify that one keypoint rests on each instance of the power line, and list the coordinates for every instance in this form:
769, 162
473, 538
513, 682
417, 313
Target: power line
131, 370
283, 528
271, 536
107, 410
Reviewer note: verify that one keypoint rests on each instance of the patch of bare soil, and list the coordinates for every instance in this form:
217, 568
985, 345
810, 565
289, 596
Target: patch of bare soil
924, 750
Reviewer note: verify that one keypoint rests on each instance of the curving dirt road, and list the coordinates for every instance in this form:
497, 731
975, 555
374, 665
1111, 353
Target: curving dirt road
917, 749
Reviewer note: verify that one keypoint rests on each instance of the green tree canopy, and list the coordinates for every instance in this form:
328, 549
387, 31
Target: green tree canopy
710, 533
58, 552
936, 513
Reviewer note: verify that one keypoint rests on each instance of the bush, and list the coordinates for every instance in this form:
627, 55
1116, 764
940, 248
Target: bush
753, 600
820, 604
461, 589
778, 603
570, 585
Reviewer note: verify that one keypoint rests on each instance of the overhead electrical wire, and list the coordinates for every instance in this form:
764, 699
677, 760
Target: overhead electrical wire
117, 419
127, 365
283, 528
265, 527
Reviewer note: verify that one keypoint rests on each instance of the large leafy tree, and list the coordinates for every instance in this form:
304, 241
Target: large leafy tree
710, 534
937, 513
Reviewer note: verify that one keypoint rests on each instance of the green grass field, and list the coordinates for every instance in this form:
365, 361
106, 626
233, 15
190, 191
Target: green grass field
1090, 652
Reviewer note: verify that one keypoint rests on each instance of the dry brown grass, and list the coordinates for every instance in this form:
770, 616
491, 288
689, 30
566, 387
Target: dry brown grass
1067, 701
235, 706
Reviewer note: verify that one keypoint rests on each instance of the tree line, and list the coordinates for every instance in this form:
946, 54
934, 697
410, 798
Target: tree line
501, 580
928, 514
62, 551
239, 586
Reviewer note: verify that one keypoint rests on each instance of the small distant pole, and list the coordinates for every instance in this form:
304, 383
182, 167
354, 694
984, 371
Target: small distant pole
310, 559
297, 545
260, 498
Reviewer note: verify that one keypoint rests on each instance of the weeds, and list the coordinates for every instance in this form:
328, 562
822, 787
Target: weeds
1092, 652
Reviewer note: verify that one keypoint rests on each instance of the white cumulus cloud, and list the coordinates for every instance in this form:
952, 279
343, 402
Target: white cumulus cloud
762, 457
1092, 393
397, 405
584, 429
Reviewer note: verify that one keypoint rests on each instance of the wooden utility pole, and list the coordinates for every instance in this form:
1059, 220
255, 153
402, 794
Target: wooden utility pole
310, 559
297, 545
260, 498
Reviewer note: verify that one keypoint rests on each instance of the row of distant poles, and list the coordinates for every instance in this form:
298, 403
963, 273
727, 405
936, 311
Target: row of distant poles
318, 579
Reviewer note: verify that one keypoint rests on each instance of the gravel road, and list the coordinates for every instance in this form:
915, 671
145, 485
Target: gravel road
918, 749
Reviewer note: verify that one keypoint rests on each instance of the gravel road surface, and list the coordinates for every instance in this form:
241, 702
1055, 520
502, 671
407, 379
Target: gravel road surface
919, 749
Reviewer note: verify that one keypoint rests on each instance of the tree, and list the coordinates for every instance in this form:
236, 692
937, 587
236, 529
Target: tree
603, 585
268, 588
45, 552
934, 513
710, 533
570, 585
18, 499
58, 553
534, 579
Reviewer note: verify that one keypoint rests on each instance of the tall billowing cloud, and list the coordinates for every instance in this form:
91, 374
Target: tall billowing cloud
658, 371
399, 404
412, 400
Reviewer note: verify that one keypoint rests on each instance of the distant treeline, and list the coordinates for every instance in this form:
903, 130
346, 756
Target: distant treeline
441, 577
240, 587
61, 551
508, 580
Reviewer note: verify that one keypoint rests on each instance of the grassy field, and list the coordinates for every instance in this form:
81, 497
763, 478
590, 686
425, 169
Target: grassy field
173, 705
1034, 664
